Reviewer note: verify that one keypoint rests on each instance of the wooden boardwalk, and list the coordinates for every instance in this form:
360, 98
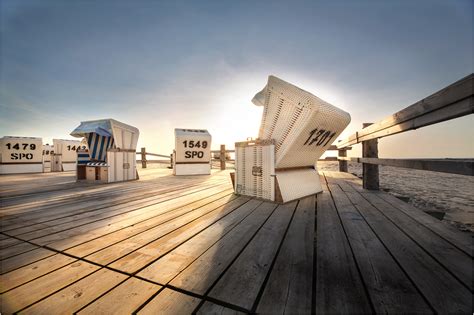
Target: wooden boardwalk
177, 245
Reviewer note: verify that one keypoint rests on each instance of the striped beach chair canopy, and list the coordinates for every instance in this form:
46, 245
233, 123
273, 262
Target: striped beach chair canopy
102, 135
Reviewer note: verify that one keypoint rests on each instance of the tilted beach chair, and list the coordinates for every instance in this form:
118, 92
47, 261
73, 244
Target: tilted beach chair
296, 129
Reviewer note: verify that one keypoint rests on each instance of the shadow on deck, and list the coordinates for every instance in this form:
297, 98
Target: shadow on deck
178, 245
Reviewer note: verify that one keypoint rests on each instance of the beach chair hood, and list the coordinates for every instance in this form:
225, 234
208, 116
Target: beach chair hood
124, 136
105, 134
100, 127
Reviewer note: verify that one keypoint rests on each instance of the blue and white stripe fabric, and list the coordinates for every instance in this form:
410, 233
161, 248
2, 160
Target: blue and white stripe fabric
82, 158
97, 164
98, 146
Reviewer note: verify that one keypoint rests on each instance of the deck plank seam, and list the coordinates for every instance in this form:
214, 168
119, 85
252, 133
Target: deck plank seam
205, 298
83, 258
45, 246
22, 242
470, 255
42, 245
423, 248
93, 187
315, 257
94, 220
106, 265
272, 264
30, 263
352, 184
149, 228
170, 250
197, 257
49, 202
133, 275
58, 290
100, 206
206, 293
425, 298
364, 284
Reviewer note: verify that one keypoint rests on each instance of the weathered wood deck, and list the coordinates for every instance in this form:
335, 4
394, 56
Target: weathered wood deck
173, 245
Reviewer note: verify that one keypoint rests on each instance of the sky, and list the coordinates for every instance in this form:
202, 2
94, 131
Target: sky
160, 65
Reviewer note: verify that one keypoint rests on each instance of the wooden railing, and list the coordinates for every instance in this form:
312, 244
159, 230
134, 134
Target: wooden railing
223, 156
455, 100
144, 161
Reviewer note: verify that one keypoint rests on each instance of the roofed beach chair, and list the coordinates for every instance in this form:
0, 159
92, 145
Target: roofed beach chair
297, 127
111, 151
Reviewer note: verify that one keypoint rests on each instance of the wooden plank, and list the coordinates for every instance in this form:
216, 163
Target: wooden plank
389, 289
85, 211
75, 236
107, 240
133, 293
16, 250
8, 241
141, 257
85, 207
170, 302
463, 241
455, 93
123, 248
454, 260
167, 267
444, 292
215, 309
33, 291
289, 287
77, 295
203, 272
35, 206
25, 274
241, 283
339, 288
455, 110
119, 213
24, 259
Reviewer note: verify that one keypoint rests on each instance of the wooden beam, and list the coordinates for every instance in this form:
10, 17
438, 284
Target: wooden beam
451, 166
158, 155
219, 151
143, 153
222, 157
342, 163
451, 102
370, 172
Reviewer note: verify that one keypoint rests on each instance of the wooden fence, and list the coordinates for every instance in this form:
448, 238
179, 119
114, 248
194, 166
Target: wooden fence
222, 157
455, 100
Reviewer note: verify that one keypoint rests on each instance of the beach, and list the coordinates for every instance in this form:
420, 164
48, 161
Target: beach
447, 197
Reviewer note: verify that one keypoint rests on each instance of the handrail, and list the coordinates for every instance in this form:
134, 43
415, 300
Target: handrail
453, 101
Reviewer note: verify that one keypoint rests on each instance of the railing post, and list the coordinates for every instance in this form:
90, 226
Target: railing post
171, 160
342, 163
222, 157
370, 172
143, 152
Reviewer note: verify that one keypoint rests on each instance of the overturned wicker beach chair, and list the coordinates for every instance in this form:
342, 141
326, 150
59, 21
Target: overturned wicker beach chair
296, 129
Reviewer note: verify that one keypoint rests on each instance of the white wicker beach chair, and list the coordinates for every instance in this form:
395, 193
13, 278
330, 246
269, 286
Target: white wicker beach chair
300, 127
